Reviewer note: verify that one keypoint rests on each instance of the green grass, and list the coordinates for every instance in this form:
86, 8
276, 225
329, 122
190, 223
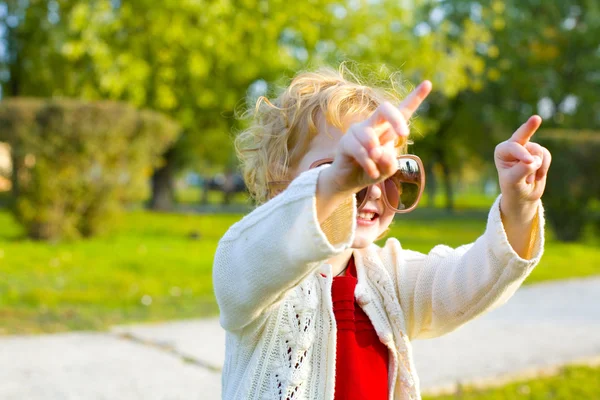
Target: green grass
95, 283
571, 383
461, 201
423, 229
153, 267
193, 195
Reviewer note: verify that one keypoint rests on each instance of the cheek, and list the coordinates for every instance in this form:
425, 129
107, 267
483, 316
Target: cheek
386, 219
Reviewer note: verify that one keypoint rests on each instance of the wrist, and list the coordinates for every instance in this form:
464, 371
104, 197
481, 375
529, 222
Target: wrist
328, 184
520, 211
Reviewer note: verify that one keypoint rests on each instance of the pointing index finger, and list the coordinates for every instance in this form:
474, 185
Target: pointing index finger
410, 104
526, 131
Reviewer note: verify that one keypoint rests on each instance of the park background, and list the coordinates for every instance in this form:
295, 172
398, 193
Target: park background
117, 169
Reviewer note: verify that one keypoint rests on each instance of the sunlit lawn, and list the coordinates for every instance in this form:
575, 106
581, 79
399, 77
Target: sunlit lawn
158, 267
151, 268
572, 383
193, 195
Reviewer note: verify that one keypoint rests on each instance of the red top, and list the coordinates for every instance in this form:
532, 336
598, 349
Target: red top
361, 366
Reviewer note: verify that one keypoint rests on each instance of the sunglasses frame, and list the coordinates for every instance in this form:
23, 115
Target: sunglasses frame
420, 183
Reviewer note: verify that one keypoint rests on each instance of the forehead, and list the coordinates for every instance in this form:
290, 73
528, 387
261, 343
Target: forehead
323, 145
325, 142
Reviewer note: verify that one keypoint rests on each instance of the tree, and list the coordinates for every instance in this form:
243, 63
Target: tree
195, 61
543, 58
423, 43
571, 189
190, 60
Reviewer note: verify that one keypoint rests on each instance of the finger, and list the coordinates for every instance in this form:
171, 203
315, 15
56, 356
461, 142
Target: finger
518, 161
538, 153
535, 149
387, 164
526, 171
409, 105
361, 156
511, 151
387, 112
543, 170
526, 131
367, 138
385, 133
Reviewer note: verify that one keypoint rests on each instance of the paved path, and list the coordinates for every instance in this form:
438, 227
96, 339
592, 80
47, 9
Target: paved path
541, 326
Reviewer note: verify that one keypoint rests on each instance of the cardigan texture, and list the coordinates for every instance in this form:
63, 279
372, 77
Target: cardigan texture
273, 286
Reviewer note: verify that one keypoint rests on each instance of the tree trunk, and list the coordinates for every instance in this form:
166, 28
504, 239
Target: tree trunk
448, 187
14, 176
14, 85
163, 184
13, 89
205, 189
228, 188
430, 184
442, 152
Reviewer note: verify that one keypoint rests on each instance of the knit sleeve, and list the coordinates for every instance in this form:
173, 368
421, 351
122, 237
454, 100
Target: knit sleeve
444, 289
273, 248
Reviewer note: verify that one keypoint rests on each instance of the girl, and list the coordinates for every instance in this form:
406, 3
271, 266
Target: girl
313, 309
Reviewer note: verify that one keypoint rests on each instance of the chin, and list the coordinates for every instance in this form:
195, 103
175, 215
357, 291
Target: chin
361, 242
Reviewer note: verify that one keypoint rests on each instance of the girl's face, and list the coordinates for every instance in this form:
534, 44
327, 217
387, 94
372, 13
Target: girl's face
368, 228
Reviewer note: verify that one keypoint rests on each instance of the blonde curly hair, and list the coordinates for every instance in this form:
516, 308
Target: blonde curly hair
280, 131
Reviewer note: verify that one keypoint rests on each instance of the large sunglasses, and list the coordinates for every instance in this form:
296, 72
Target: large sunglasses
401, 192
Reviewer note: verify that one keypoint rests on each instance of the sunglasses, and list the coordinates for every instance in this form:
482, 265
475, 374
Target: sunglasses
401, 191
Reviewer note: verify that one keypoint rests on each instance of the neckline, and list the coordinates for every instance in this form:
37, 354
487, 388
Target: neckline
350, 269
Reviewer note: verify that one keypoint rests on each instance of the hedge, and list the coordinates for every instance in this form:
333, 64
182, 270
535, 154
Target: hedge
76, 163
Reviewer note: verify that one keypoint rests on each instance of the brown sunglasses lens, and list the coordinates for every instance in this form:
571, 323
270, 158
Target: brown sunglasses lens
401, 195
403, 189
407, 181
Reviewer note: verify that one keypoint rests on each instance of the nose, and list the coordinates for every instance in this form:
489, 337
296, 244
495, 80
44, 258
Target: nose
375, 192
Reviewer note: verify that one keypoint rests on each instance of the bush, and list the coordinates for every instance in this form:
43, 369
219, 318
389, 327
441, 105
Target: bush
572, 185
76, 163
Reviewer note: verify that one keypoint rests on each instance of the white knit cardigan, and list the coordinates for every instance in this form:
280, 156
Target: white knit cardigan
273, 287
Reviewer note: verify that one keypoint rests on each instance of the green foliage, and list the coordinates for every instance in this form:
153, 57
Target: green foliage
554, 59
405, 39
570, 383
195, 61
550, 66
191, 60
490, 64
76, 163
420, 45
537, 57
572, 186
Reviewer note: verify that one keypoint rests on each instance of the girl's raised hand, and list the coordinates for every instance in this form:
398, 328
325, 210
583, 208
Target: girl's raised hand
522, 166
366, 153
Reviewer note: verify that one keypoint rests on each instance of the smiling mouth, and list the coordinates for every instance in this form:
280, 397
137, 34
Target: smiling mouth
367, 216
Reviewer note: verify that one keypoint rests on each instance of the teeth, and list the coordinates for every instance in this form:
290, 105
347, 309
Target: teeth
364, 215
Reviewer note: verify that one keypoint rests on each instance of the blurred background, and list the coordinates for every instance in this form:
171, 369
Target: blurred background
117, 169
